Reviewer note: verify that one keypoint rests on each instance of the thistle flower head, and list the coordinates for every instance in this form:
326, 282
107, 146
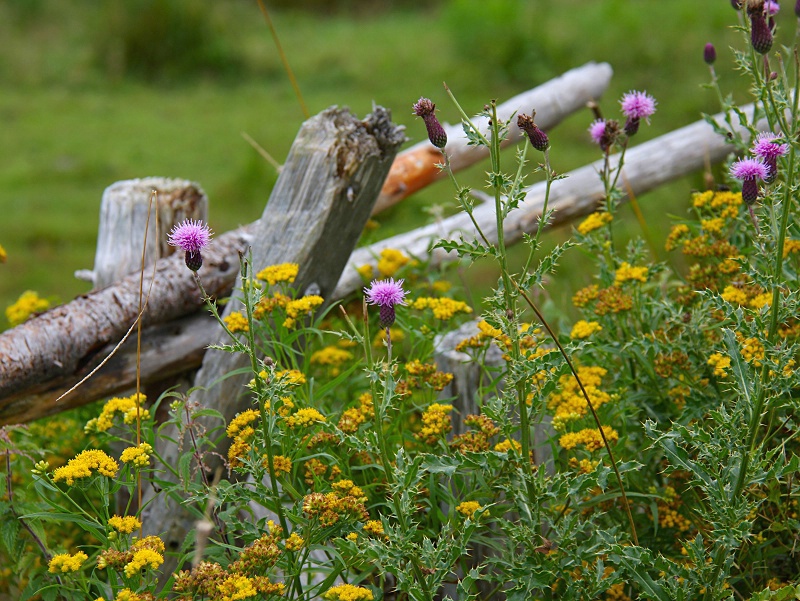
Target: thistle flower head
767, 148
638, 105
427, 110
538, 138
597, 130
386, 294
190, 236
749, 169
709, 54
771, 7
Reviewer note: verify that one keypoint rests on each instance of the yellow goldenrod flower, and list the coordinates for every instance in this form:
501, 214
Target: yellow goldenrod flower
332, 356
390, 261
3, 254
506, 445
791, 246
237, 322
65, 563
129, 407
443, 308
285, 272
304, 418
752, 350
366, 271
468, 508
295, 542
127, 594
282, 465
126, 524
83, 463
291, 376
720, 363
734, 295
139, 456
26, 305
348, 592
435, 423
713, 226
760, 300
141, 559
594, 221
626, 272
236, 587
375, 528
240, 422
589, 437
301, 306
352, 536
676, 233
584, 329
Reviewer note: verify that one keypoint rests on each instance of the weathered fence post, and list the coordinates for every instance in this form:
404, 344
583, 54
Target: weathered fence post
314, 217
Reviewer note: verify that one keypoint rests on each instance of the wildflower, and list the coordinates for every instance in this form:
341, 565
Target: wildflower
768, 150
750, 171
293, 377
83, 463
375, 528
443, 308
236, 322
427, 110
332, 356
537, 137
284, 272
26, 305
126, 524
637, 106
142, 558
239, 423
772, 7
760, 32
64, 563
236, 587
348, 592
295, 542
283, 465
594, 221
389, 262
129, 407
720, 363
588, 437
139, 456
3, 254
506, 445
597, 131
626, 272
386, 294
191, 237
301, 306
584, 329
435, 423
304, 418
468, 508
732, 294
709, 54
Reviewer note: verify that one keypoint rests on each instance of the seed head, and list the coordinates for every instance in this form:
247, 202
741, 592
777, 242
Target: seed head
538, 138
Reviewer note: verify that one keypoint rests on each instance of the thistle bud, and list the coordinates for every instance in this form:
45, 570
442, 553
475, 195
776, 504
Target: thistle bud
426, 109
537, 137
797, 9
194, 260
760, 32
709, 54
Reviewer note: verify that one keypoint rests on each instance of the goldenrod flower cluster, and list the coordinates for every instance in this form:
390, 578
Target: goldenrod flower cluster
348, 592
374, 528
348, 487
26, 305
352, 418
790, 246
3, 254
236, 322
506, 445
443, 308
584, 466
569, 403
588, 437
725, 202
390, 261
148, 551
241, 431
282, 464
82, 465
241, 580
65, 563
332, 356
126, 406
426, 373
301, 306
330, 508
468, 508
585, 295
303, 418
594, 221
125, 525
668, 515
720, 363
293, 377
752, 350
395, 334
236, 587
274, 274
584, 329
676, 234
475, 441
268, 304
295, 542
127, 594
713, 225
139, 455
626, 272
142, 558
753, 298
435, 423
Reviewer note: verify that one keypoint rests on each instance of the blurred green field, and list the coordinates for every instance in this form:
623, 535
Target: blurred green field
79, 114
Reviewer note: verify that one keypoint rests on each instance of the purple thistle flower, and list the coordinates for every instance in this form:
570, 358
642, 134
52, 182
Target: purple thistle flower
538, 138
598, 129
386, 294
750, 171
427, 110
191, 237
637, 106
709, 54
767, 149
772, 7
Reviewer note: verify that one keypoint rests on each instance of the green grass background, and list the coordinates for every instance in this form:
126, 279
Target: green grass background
76, 118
